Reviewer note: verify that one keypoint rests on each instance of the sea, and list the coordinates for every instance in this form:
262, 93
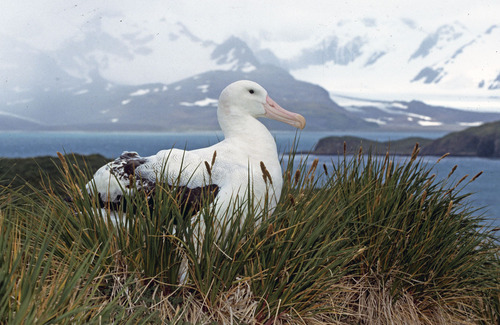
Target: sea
485, 189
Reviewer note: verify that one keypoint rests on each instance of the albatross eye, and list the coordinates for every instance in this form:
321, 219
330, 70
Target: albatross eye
251, 91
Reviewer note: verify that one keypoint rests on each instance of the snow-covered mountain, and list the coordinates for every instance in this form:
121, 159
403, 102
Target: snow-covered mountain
156, 75
475, 61
366, 57
79, 96
161, 51
380, 58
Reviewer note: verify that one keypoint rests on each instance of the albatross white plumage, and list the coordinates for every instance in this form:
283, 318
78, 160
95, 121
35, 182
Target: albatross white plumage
246, 146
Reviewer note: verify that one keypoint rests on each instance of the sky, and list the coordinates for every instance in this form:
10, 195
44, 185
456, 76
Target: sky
46, 24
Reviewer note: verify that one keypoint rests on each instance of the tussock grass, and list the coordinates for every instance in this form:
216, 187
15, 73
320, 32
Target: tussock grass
364, 240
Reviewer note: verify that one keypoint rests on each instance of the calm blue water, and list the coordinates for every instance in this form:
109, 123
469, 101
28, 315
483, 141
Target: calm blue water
33, 144
486, 188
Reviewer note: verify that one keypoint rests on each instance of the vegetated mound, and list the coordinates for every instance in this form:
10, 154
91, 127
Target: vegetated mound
376, 243
351, 145
480, 141
17, 172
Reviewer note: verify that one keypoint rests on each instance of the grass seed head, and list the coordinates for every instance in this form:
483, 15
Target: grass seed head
288, 177
209, 169
297, 177
477, 175
265, 173
213, 158
63, 162
461, 180
452, 170
415, 152
450, 206
442, 157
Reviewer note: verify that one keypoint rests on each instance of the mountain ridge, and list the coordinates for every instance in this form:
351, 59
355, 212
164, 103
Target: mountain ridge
450, 59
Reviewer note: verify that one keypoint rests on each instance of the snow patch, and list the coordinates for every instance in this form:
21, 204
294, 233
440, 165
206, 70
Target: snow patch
203, 88
429, 123
470, 123
126, 101
422, 117
400, 105
140, 92
201, 103
376, 120
114, 120
248, 67
81, 92
230, 57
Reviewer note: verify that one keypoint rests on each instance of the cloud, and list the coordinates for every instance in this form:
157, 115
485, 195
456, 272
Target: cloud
47, 24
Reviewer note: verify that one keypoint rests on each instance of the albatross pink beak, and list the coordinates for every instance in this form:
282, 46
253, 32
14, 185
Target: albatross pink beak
278, 113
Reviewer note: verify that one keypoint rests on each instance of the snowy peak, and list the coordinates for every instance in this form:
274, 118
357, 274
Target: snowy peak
164, 44
472, 64
439, 40
331, 50
351, 42
235, 55
394, 57
162, 51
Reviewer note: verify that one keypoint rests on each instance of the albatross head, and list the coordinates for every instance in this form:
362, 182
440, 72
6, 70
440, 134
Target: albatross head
246, 97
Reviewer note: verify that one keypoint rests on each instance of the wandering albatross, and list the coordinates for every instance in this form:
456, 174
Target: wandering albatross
247, 152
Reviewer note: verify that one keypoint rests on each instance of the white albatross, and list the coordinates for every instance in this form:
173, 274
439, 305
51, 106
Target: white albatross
248, 146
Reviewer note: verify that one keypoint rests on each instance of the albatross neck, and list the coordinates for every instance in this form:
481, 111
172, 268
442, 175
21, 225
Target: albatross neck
250, 131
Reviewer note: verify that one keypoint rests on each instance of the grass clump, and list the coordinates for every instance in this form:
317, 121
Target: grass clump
365, 239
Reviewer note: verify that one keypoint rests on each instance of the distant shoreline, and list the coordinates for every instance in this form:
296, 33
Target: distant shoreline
481, 141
